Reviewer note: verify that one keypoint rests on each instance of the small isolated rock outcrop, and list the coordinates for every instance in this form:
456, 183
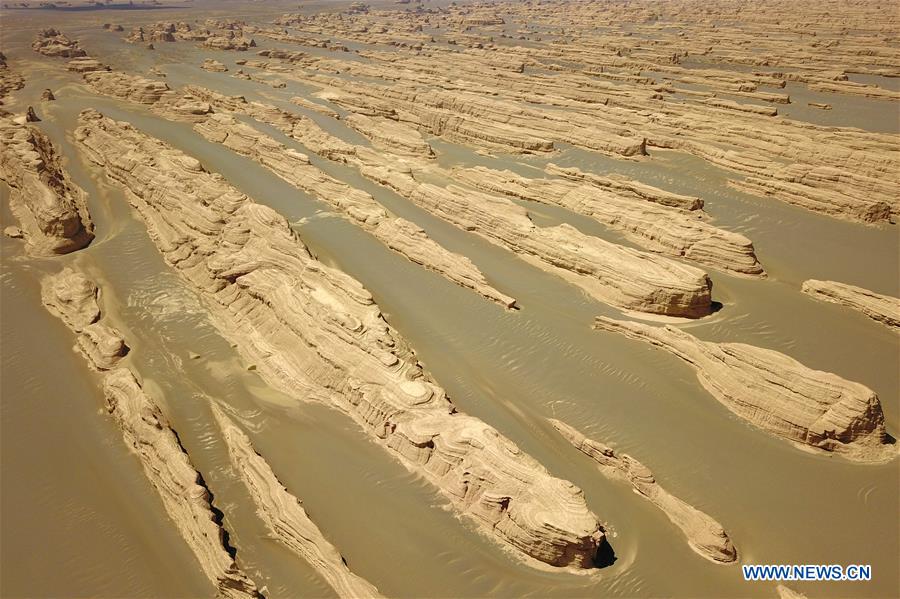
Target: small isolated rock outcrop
168, 468
51, 42
51, 209
213, 65
47, 95
285, 517
811, 408
883, 308
705, 535
316, 333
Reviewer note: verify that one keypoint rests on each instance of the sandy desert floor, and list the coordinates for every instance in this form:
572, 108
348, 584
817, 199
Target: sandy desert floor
448, 299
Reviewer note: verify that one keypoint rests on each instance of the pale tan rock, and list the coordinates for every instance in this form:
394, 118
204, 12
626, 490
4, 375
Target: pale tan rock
611, 273
102, 345
788, 593
71, 297
214, 66
813, 409
657, 228
315, 106
51, 42
316, 334
168, 468
284, 515
398, 234
883, 308
704, 534
51, 210
86, 65
128, 87
392, 136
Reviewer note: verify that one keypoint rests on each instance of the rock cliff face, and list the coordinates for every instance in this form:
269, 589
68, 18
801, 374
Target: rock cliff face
883, 308
285, 517
660, 229
705, 535
73, 298
813, 409
316, 334
50, 208
179, 485
398, 234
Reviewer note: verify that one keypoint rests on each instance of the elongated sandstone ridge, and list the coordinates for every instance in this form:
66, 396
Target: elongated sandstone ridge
401, 235
704, 535
654, 227
316, 334
72, 297
284, 515
186, 499
51, 210
811, 408
883, 308
614, 274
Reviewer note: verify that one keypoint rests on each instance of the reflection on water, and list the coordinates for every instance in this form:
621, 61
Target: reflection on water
512, 369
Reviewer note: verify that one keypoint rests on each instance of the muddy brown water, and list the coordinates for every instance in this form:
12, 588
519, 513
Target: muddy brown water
80, 519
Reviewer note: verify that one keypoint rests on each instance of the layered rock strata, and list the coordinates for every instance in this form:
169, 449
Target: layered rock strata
704, 534
73, 298
399, 234
813, 409
51, 210
665, 230
316, 334
285, 517
612, 273
51, 42
883, 308
185, 497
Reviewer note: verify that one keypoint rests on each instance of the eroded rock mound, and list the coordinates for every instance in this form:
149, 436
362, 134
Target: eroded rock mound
316, 334
883, 308
51, 42
51, 209
72, 297
773, 391
705, 535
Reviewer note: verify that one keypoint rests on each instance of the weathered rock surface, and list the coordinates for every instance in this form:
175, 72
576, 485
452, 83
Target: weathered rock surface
214, 66
705, 535
392, 136
811, 408
71, 297
883, 308
284, 515
51, 42
612, 273
316, 334
102, 345
169, 470
50, 208
74, 299
129, 87
657, 228
399, 234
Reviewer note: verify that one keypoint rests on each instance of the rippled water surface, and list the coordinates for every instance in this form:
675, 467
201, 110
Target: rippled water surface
79, 518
